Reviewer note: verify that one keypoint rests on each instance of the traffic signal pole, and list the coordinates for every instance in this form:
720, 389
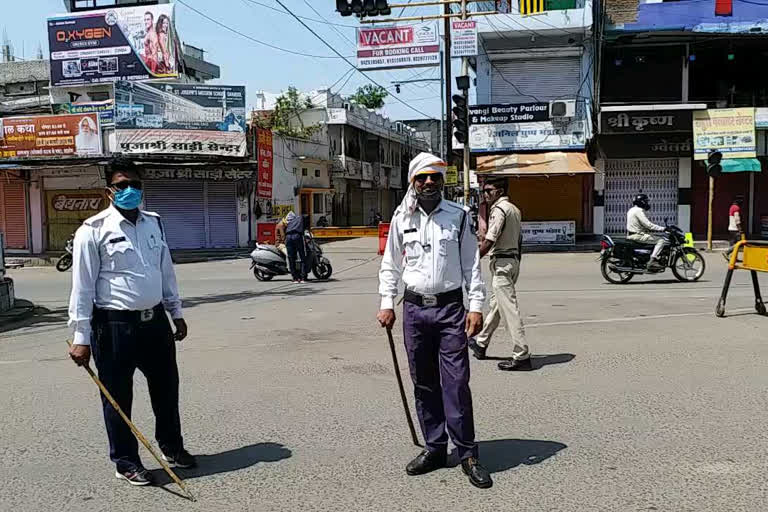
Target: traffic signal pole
465, 72
448, 128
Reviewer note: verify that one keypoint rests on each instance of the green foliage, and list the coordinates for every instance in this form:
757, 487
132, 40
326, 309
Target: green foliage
370, 96
286, 119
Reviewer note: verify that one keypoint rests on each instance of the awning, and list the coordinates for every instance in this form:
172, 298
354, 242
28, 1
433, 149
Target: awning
534, 164
740, 165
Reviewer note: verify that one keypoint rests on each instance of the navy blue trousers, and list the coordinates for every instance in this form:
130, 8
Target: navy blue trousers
439, 361
294, 244
119, 348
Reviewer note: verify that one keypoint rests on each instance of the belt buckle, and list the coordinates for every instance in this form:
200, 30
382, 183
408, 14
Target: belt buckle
429, 300
147, 315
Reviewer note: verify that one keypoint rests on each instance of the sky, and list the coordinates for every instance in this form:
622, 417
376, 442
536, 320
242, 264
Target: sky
258, 67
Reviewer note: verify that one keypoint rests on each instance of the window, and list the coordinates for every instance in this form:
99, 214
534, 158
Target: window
304, 171
317, 173
317, 204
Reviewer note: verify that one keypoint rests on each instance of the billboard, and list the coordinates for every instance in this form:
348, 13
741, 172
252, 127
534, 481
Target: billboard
167, 118
75, 135
728, 130
400, 46
105, 109
127, 43
464, 38
264, 182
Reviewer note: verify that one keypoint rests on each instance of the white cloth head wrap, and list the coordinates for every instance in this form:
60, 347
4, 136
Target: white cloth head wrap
423, 163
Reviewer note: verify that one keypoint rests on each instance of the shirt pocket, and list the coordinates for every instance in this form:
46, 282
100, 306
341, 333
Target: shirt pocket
449, 241
413, 249
155, 248
121, 256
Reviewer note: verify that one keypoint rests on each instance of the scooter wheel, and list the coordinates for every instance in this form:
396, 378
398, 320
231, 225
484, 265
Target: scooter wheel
261, 275
64, 263
322, 270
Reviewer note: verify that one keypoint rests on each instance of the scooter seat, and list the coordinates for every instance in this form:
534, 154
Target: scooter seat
272, 249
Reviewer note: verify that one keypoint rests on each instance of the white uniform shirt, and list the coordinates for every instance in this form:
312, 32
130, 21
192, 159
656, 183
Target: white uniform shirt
120, 266
637, 222
432, 262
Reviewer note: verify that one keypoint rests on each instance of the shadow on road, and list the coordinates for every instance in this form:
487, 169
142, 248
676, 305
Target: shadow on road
284, 290
27, 314
504, 454
538, 362
226, 462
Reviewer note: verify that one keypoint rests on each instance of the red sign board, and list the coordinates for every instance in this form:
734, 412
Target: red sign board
265, 160
46, 136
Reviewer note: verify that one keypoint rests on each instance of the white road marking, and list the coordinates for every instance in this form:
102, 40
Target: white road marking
631, 318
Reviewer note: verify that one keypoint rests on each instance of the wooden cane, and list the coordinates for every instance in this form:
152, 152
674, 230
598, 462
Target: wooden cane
402, 389
136, 431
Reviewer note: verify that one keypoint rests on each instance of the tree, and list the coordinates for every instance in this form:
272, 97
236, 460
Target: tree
286, 119
370, 96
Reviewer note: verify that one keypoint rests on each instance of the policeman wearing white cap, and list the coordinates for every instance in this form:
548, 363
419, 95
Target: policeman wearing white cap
431, 247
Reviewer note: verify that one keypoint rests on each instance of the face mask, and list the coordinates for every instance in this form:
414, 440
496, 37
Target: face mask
430, 195
128, 198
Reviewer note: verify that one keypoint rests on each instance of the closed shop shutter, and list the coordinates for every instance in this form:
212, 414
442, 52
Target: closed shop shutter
222, 215
356, 212
181, 206
625, 178
370, 205
547, 79
13, 214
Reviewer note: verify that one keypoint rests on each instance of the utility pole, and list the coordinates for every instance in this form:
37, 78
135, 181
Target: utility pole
465, 72
448, 133
442, 108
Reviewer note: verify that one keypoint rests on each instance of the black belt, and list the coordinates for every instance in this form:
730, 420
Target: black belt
438, 300
113, 315
505, 255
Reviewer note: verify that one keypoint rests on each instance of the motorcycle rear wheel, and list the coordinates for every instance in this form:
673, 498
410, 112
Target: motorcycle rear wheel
64, 263
261, 275
322, 271
695, 269
612, 276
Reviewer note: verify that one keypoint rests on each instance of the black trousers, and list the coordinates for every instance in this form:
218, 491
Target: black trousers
294, 244
119, 348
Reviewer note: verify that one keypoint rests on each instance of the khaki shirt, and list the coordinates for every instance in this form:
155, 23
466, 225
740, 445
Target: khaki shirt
504, 228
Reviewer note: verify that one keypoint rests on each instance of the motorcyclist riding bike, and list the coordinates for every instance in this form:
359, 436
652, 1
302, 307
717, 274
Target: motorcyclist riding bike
640, 229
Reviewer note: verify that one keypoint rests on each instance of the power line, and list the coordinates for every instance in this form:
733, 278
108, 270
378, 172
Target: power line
302, 17
346, 59
227, 27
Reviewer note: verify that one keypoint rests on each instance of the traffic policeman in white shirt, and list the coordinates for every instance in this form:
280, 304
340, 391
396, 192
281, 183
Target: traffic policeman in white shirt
123, 283
432, 249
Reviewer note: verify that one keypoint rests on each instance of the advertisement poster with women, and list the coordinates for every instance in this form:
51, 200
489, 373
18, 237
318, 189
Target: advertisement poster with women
74, 135
127, 43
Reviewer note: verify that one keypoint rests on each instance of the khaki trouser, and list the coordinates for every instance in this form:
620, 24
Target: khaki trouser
646, 238
504, 304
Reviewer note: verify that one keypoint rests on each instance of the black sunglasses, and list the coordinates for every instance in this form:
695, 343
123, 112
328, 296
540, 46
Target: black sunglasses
489, 190
421, 178
125, 184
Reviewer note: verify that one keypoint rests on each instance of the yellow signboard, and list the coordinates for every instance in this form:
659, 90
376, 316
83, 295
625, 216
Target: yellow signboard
451, 175
730, 131
281, 210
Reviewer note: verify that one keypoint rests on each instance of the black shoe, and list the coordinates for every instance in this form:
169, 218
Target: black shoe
516, 365
182, 459
477, 350
137, 477
426, 462
478, 475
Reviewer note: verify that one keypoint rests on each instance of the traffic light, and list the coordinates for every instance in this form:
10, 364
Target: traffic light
460, 124
713, 164
363, 7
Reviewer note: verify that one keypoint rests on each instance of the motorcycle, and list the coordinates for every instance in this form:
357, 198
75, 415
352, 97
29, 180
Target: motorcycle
621, 260
65, 262
267, 261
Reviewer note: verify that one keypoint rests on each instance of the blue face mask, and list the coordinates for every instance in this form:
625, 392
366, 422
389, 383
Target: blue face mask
128, 199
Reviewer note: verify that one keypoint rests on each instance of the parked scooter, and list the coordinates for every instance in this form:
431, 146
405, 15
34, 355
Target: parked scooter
268, 261
65, 262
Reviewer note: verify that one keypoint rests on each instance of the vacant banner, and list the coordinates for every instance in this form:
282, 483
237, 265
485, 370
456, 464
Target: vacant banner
398, 46
464, 38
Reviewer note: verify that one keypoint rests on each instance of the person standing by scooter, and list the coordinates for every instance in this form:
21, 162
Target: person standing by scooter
294, 243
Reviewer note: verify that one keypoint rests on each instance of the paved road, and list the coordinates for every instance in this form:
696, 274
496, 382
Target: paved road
643, 399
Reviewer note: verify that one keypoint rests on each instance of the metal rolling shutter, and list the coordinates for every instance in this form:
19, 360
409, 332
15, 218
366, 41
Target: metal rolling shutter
546, 78
14, 215
625, 178
181, 206
222, 215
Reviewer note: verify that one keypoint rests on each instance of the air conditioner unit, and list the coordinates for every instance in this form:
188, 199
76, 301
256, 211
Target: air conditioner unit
562, 109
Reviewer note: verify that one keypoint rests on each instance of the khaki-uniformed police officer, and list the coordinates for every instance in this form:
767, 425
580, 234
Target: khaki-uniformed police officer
503, 241
123, 283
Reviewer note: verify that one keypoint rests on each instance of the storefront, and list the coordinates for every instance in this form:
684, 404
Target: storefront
199, 207
644, 149
14, 211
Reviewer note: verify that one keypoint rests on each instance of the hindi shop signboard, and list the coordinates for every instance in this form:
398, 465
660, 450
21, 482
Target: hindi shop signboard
127, 43
728, 130
401, 46
464, 38
549, 233
266, 164
644, 121
105, 109
535, 136
74, 135
167, 118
